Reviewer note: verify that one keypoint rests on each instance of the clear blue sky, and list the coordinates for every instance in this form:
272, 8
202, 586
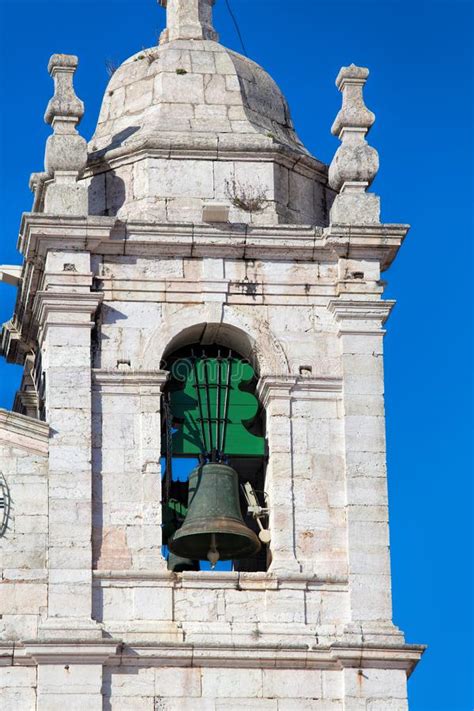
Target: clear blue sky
420, 57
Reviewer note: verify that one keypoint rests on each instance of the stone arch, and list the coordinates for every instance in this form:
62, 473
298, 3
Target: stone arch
251, 338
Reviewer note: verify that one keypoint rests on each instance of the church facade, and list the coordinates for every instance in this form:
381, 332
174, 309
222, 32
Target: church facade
198, 290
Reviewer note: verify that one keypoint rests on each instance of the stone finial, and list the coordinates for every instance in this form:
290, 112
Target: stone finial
66, 150
355, 164
64, 104
188, 19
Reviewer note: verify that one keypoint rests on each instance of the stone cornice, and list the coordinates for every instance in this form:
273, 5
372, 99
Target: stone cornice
219, 655
65, 308
24, 432
74, 652
360, 317
255, 148
40, 232
128, 381
294, 387
380, 242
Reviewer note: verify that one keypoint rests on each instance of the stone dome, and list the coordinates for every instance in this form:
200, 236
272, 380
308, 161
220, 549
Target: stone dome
190, 122
191, 91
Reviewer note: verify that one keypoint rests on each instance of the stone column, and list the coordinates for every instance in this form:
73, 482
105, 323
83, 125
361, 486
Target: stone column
275, 395
127, 469
65, 310
361, 335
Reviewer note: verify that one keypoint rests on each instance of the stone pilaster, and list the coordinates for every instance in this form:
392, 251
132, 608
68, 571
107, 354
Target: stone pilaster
361, 336
275, 396
65, 311
70, 675
127, 447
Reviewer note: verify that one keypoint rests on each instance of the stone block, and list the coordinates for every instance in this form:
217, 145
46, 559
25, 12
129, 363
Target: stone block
69, 356
374, 560
184, 179
153, 603
74, 702
229, 683
248, 704
370, 464
177, 682
117, 603
367, 533
333, 684
171, 88
131, 682
195, 605
292, 684
22, 598
376, 683
243, 606
19, 700
132, 703
367, 492
370, 597
386, 705
70, 557
17, 677
69, 600
69, 679
18, 627
357, 208
192, 704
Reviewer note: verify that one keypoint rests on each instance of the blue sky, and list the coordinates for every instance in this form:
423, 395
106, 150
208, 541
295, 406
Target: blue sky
420, 87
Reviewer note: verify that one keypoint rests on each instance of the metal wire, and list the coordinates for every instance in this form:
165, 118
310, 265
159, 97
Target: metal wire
236, 25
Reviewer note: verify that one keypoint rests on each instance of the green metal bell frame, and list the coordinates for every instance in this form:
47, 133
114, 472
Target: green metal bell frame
214, 523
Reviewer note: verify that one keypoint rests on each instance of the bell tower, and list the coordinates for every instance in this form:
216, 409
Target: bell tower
193, 494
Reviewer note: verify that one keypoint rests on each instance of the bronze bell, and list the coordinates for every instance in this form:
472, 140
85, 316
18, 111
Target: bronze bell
214, 527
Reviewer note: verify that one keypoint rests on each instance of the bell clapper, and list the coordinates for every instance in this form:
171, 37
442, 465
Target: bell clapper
257, 511
213, 554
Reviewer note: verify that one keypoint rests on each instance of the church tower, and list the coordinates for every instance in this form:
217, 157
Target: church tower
193, 489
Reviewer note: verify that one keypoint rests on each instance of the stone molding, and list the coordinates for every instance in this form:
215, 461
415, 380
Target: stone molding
24, 432
126, 381
299, 242
48, 303
71, 651
228, 147
245, 656
350, 313
294, 387
229, 580
55, 308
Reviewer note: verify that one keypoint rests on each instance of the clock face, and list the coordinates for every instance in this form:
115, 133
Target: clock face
4, 505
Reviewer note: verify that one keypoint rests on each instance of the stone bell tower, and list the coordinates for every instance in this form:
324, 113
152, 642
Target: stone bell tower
196, 228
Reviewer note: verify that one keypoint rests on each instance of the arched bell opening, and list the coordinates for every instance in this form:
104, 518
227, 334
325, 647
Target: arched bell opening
214, 456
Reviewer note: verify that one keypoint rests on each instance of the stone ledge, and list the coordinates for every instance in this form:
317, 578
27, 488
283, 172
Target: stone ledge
24, 432
127, 380
76, 652
307, 242
215, 580
245, 656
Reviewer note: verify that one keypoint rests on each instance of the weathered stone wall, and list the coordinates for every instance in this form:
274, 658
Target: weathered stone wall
132, 687
23, 545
